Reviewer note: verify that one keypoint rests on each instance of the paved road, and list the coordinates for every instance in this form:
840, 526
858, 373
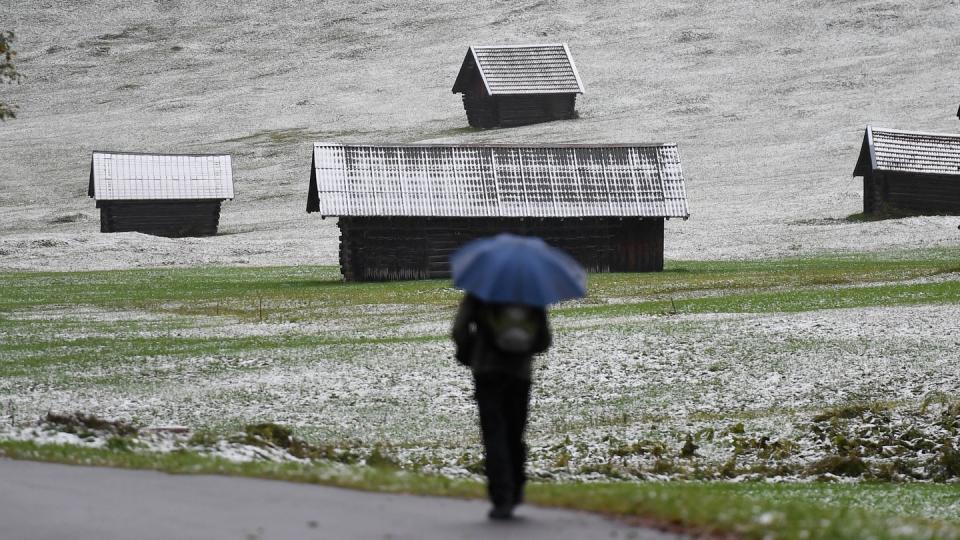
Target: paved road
48, 501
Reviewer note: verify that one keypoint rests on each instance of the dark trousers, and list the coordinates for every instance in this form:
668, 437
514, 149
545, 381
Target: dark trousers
503, 401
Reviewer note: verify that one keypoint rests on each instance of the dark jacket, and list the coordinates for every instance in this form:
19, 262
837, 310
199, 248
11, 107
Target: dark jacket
475, 346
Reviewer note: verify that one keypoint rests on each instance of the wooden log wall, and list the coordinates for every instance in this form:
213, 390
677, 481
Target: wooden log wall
521, 110
161, 218
886, 191
869, 193
481, 109
484, 111
403, 248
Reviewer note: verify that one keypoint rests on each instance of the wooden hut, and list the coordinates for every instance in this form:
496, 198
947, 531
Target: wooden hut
517, 85
404, 209
909, 171
160, 194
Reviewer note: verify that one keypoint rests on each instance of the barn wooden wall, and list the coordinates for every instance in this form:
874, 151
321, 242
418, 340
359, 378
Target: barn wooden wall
400, 248
160, 218
522, 110
481, 109
912, 192
484, 111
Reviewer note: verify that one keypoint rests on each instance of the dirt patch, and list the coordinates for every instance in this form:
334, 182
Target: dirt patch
693, 36
70, 218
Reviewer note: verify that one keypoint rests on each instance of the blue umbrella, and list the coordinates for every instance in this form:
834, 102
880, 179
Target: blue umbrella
517, 269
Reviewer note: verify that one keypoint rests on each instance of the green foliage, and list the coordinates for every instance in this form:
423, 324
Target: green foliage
948, 462
379, 458
81, 423
120, 444
472, 463
203, 438
8, 71
638, 448
269, 433
689, 449
845, 412
849, 465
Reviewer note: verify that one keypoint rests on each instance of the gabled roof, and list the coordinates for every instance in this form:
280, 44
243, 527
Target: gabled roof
521, 69
908, 151
495, 181
132, 176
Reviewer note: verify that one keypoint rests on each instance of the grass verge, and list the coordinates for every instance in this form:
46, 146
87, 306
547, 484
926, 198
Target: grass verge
747, 510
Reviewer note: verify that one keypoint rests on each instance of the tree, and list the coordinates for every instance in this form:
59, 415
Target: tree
8, 72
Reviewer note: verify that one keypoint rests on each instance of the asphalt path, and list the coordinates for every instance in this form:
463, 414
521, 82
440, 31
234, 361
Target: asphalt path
50, 501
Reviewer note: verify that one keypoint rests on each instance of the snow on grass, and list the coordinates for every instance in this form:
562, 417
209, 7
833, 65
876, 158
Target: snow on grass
669, 396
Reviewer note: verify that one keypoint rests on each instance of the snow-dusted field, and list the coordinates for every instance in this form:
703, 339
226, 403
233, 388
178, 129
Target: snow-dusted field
616, 397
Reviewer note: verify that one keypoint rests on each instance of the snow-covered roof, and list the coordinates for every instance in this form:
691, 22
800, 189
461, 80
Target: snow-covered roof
521, 69
494, 180
133, 176
908, 151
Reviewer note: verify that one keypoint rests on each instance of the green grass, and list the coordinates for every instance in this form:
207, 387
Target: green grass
793, 300
748, 510
761, 286
239, 291
758, 510
39, 352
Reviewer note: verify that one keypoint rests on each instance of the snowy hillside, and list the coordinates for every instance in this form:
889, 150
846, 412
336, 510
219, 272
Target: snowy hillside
766, 100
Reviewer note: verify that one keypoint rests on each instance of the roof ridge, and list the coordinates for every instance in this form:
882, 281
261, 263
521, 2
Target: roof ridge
910, 132
159, 154
496, 145
520, 46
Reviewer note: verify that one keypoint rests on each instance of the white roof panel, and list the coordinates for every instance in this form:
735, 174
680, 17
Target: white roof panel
128, 176
493, 181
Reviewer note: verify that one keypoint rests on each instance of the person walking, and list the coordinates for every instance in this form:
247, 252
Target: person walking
498, 342
499, 327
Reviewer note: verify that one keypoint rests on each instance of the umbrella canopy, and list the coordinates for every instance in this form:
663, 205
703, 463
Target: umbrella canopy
517, 269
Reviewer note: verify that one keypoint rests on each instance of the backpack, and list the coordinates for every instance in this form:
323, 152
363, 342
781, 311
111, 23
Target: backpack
513, 328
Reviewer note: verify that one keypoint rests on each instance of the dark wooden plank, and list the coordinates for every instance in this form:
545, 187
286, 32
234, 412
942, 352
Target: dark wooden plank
388, 248
161, 218
912, 192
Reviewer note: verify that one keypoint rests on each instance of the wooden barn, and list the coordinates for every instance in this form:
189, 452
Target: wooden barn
910, 172
160, 194
517, 85
404, 209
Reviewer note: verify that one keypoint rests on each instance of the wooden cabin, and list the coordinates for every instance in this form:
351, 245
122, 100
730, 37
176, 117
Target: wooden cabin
909, 172
160, 194
402, 210
517, 85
